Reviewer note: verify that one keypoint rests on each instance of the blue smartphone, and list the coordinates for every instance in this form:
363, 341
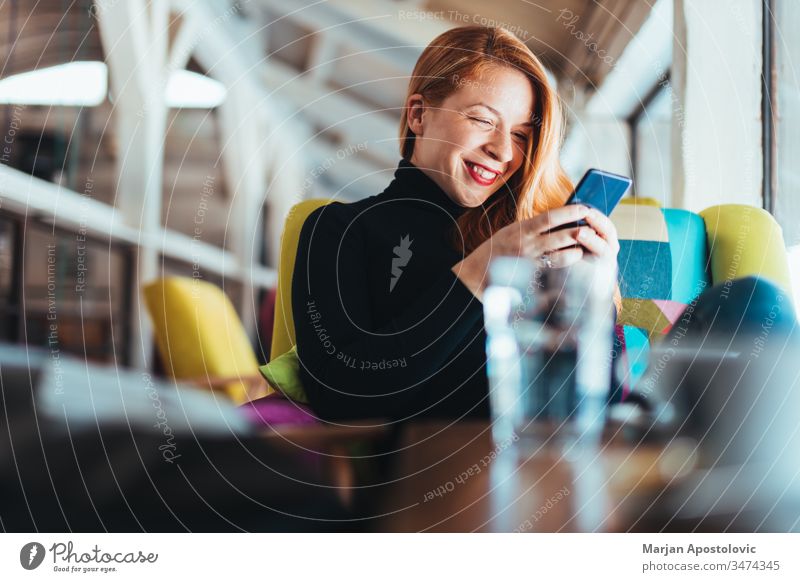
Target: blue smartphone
598, 189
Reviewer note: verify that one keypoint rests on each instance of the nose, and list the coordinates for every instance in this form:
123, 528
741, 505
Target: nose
500, 147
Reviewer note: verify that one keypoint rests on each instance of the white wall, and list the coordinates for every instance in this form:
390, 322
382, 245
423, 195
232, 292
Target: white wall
717, 141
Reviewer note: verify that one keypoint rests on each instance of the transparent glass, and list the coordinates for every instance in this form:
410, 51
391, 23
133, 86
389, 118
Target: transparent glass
549, 350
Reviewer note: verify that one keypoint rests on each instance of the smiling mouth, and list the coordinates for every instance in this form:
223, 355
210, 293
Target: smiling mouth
481, 174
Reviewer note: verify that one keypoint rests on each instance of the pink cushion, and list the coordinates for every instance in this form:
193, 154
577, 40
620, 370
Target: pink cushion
275, 409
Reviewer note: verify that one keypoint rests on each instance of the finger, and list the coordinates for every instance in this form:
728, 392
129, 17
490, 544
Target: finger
602, 224
556, 217
592, 242
566, 257
547, 243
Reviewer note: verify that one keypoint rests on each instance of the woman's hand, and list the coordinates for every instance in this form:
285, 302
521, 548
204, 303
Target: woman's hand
601, 239
536, 239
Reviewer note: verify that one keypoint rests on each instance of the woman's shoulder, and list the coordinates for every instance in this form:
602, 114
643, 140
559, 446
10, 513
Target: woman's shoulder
337, 215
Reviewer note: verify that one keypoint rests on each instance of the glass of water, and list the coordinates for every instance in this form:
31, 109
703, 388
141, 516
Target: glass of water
549, 345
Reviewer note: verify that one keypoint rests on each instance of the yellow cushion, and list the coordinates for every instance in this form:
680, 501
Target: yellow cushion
283, 329
199, 333
641, 201
743, 241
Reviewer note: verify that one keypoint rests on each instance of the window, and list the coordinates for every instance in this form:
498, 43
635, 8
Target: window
85, 84
74, 295
786, 102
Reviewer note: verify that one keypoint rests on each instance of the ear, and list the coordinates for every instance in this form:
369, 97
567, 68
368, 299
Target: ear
415, 109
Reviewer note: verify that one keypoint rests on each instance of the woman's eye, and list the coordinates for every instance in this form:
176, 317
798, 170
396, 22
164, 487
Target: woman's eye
481, 121
520, 136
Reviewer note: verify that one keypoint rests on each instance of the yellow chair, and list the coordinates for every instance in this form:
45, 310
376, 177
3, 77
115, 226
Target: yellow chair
283, 338
744, 241
201, 338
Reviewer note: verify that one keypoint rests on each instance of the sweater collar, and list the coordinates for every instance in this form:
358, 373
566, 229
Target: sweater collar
415, 185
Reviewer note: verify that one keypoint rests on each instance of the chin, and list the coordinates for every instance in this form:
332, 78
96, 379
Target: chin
475, 203
479, 199
468, 200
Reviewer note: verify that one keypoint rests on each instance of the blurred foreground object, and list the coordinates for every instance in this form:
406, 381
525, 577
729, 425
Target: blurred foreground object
739, 410
87, 448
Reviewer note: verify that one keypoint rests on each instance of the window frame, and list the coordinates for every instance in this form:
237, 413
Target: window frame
635, 117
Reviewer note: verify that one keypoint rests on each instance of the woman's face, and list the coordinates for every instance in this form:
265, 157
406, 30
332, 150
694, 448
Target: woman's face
475, 140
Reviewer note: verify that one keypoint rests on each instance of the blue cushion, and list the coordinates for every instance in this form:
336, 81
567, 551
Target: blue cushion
689, 252
645, 269
631, 352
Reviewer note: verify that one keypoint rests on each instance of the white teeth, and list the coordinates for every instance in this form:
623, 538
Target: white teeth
483, 172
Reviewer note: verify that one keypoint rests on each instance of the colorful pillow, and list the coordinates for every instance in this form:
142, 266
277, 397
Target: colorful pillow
662, 267
641, 322
655, 317
662, 253
689, 254
645, 264
631, 353
283, 374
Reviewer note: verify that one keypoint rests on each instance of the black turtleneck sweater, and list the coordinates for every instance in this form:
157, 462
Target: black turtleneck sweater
384, 327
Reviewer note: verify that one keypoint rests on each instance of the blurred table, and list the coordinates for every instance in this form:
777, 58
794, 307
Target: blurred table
454, 478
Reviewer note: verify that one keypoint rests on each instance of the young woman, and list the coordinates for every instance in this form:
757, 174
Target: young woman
386, 291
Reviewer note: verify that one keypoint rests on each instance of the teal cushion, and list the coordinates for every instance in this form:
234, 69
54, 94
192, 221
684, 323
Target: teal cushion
645, 269
688, 252
631, 352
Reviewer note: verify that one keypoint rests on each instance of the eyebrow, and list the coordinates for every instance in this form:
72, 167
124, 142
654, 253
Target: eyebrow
497, 113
